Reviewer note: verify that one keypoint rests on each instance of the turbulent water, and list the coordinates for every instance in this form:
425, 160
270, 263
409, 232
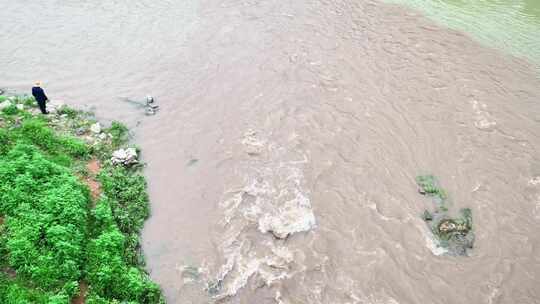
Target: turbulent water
283, 158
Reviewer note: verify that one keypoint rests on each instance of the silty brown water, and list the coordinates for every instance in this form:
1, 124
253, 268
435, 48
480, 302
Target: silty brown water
511, 26
309, 120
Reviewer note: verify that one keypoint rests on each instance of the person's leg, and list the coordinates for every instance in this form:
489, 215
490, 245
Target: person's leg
41, 105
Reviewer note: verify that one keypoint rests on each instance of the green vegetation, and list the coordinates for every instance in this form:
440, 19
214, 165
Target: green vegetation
429, 185
52, 235
452, 233
114, 252
45, 209
449, 228
69, 112
13, 291
119, 133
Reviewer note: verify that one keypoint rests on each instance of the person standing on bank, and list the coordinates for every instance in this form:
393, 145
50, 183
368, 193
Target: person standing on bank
40, 97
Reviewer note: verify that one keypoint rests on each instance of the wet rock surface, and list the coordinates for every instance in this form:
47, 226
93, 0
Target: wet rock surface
148, 104
95, 128
454, 234
125, 157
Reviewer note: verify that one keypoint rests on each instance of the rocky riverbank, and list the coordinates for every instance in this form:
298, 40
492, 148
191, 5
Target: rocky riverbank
72, 204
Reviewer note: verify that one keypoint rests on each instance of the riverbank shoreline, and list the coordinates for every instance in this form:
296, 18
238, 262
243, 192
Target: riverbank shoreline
88, 251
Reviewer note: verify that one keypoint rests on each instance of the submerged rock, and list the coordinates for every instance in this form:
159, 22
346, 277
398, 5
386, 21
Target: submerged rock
149, 111
253, 145
148, 104
427, 216
125, 157
192, 162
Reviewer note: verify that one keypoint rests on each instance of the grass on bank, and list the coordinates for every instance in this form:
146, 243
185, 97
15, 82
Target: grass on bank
52, 236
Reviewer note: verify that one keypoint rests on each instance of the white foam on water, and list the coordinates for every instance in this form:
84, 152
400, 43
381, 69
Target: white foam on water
295, 215
242, 264
272, 205
371, 299
535, 181
482, 117
253, 144
536, 210
432, 243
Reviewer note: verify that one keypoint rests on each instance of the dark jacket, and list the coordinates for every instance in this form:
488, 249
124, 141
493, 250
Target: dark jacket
39, 95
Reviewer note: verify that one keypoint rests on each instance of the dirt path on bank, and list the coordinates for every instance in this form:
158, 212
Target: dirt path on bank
93, 167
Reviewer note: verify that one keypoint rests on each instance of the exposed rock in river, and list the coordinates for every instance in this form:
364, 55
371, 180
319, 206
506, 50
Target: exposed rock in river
454, 235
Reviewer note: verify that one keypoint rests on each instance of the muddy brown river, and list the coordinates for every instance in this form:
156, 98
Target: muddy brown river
281, 164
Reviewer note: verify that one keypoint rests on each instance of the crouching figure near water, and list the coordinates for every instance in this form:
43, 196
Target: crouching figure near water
40, 97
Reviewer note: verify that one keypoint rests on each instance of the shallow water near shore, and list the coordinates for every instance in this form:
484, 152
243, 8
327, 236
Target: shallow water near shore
282, 161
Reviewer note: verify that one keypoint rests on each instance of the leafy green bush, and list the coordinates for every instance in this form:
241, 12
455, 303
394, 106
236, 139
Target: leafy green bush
430, 186
111, 277
128, 197
5, 141
46, 213
114, 259
70, 112
10, 110
35, 132
13, 292
119, 133
50, 236
110, 271
29, 101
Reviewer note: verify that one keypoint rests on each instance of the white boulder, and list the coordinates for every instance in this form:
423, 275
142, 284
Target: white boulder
124, 157
95, 128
